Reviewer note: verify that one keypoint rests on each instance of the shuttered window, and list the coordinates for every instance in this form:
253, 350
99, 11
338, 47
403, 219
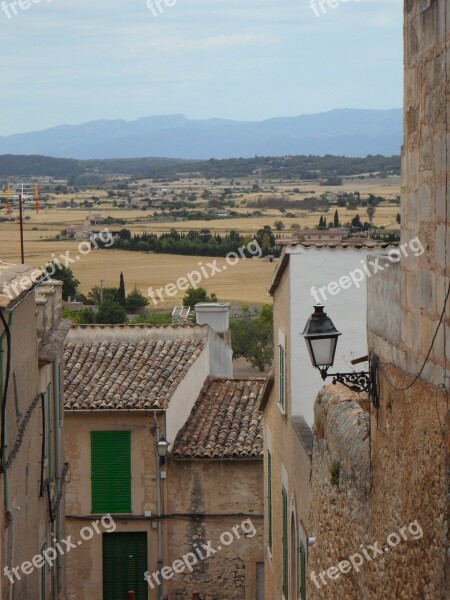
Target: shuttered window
269, 495
282, 377
285, 543
111, 471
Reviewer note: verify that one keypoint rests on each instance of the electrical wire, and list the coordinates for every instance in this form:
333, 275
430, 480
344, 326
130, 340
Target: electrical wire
418, 376
5, 389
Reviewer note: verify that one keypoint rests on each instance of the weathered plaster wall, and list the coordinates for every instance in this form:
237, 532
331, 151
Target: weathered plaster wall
215, 488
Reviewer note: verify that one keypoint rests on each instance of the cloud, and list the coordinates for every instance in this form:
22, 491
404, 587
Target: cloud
176, 45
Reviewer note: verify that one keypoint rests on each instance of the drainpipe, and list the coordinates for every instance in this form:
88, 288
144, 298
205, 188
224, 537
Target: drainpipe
59, 520
158, 491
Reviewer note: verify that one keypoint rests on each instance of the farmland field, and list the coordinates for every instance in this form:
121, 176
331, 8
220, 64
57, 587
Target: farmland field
246, 282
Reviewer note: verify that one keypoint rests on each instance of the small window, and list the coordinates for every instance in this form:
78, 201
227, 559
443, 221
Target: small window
111, 471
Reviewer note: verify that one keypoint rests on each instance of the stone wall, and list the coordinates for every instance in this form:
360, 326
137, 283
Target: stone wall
425, 194
211, 489
340, 489
359, 500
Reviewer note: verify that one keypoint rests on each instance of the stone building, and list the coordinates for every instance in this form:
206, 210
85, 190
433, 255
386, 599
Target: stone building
383, 524
33, 469
215, 493
128, 388
305, 275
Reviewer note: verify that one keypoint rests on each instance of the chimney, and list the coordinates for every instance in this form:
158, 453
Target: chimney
214, 314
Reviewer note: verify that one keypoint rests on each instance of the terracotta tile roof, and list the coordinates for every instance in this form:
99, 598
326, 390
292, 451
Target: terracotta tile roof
224, 423
128, 368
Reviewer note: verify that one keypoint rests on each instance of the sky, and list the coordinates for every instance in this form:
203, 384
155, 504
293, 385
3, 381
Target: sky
73, 61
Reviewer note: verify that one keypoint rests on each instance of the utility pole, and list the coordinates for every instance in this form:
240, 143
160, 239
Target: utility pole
101, 291
22, 253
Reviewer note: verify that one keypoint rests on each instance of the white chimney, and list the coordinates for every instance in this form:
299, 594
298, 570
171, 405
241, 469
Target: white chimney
214, 314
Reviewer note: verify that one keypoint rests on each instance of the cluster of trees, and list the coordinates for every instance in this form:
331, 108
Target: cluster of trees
252, 336
112, 302
85, 172
194, 243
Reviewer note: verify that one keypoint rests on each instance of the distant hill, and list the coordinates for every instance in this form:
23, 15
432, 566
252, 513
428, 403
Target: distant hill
343, 132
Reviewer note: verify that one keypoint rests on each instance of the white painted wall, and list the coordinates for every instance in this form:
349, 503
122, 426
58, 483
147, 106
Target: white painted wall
347, 310
215, 360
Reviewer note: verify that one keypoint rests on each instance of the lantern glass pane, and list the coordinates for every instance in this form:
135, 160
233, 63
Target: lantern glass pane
323, 351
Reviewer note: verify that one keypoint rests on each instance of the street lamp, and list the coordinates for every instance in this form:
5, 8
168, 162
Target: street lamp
162, 445
321, 338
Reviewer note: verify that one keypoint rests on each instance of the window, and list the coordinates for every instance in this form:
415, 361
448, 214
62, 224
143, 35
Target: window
285, 543
111, 471
269, 495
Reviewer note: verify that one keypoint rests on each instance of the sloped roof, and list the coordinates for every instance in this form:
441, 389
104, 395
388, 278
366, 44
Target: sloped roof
15, 280
225, 422
128, 368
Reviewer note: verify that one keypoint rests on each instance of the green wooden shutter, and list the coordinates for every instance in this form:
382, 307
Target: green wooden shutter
269, 495
302, 571
124, 564
285, 543
282, 377
111, 471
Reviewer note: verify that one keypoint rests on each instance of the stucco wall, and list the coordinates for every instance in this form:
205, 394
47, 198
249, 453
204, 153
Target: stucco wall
347, 308
233, 487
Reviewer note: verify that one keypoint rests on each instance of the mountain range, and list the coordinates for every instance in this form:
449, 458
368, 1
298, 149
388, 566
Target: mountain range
343, 132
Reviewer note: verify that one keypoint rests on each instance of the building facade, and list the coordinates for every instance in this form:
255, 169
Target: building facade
147, 520
383, 523
33, 470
